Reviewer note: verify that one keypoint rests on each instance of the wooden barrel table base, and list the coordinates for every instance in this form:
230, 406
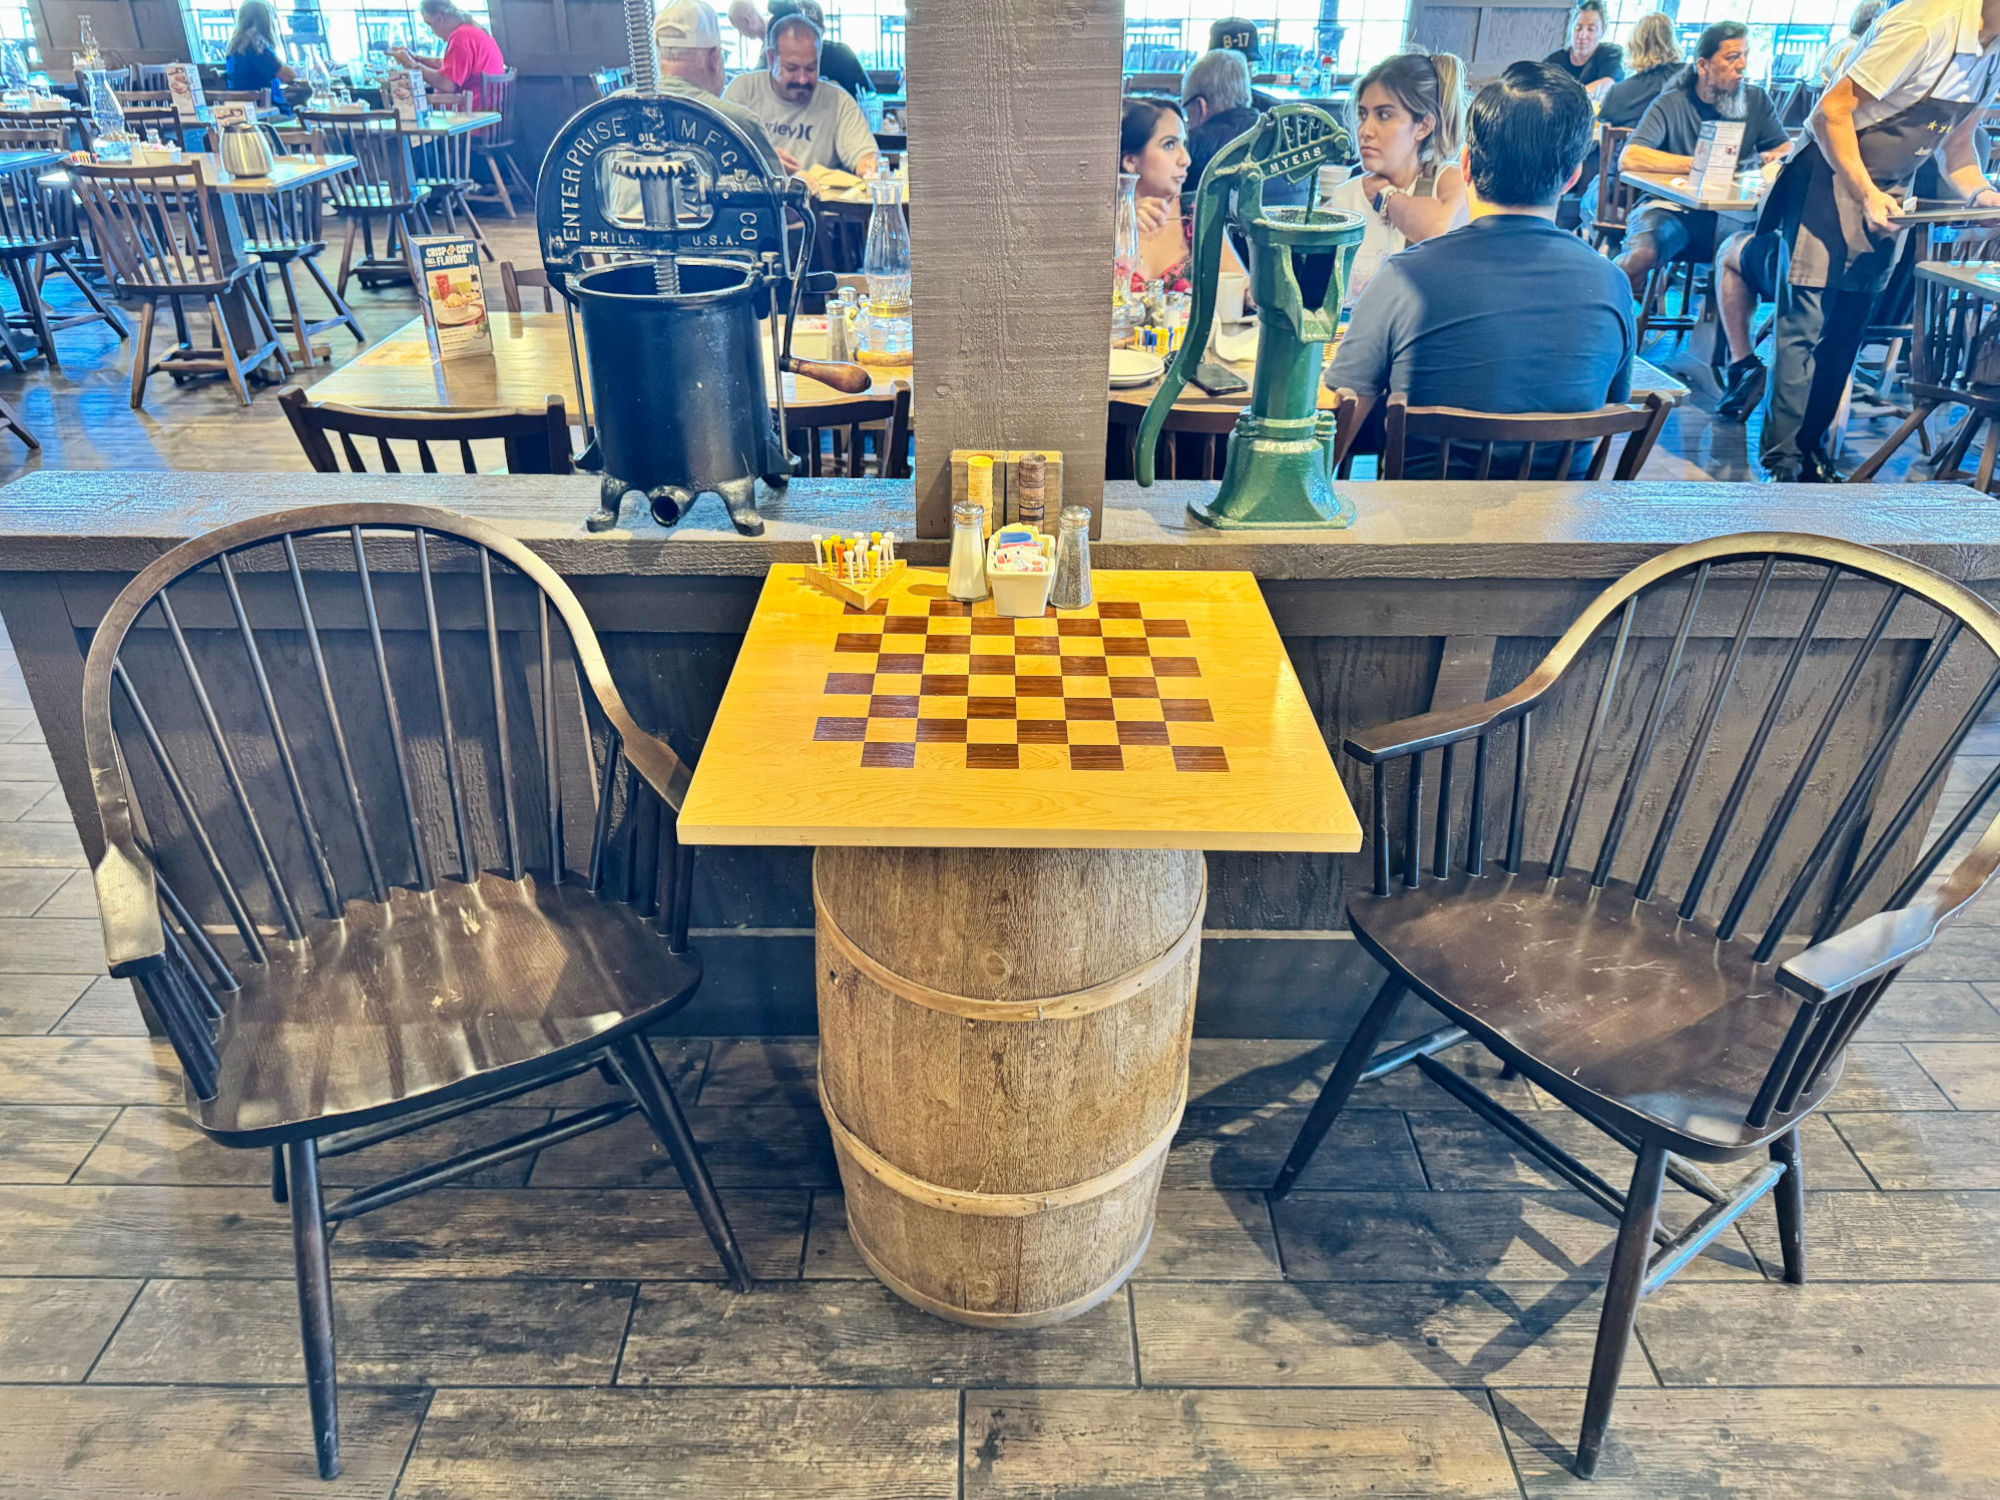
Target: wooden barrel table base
1002, 1151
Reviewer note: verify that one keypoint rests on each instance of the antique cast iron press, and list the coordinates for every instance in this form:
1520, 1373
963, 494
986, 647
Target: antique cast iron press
662, 229
1280, 468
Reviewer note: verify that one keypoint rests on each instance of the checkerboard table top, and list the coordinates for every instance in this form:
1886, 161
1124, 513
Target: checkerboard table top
1164, 715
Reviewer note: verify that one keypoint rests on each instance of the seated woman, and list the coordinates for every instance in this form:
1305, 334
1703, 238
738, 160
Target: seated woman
252, 61
1408, 116
1653, 54
1152, 144
1589, 59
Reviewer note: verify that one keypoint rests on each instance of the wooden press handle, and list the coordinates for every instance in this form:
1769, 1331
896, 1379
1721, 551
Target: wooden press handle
852, 379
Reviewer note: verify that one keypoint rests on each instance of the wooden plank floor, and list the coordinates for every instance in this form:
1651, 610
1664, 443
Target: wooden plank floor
1417, 1320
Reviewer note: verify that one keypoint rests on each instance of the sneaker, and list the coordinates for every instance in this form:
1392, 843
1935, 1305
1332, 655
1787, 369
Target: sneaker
1821, 467
1743, 388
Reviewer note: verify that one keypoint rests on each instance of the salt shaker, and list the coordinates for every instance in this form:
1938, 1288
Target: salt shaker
966, 581
1071, 587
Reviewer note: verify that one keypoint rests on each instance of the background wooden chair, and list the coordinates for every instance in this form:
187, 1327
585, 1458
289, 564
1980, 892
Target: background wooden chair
1678, 937
494, 147
1534, 445
382, 184
364, 883
445, 177
1615, 197
37, 234
1193, 443
531, 442
514, 279
845, 427
283, 231
164, 233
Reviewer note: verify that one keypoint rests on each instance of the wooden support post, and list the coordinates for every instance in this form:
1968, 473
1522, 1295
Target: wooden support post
1014, 106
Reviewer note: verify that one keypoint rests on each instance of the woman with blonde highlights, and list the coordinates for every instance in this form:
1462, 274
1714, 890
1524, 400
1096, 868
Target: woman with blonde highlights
1408, 118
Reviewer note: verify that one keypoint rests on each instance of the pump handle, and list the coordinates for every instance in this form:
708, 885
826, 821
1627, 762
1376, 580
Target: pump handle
849, 379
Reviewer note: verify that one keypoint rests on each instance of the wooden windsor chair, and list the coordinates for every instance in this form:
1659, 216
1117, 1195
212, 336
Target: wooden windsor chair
383, 846
166, 233
37, 236
1615, 197
531, 442
513, 279
148, 110
445, 177
845, 427
1633, 983
283, 230
1535, 445
494, 146
383, 183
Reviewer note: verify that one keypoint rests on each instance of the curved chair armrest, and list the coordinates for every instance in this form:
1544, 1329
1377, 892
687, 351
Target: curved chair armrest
1869, 949
1446, 726
128, 908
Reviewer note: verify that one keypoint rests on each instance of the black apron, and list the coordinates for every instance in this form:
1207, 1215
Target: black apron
1826, 236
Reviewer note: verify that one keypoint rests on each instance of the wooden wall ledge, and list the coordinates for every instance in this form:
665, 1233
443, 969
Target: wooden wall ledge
84, 521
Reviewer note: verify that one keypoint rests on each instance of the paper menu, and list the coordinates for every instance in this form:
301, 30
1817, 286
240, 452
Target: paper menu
184, 84
404, 88
454, 296
228, 113
1713, 174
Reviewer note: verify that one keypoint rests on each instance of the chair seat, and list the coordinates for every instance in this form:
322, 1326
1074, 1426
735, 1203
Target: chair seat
461, 988
1615, 1007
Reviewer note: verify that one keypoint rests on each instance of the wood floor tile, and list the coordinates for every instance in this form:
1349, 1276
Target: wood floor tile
161, 1146
1233, 1445
87, 1070
684, 1059
780, 1146
752, 1072
50, 807
103, 1443
1968, 1072
1925, 1150
630, 1235
1829, 1333
107, 1008
1236, 1072
46, 1143
32, 1003
18, 798
387, 1333
1961, 952
1462, 1236
686, 1445
1892, 1236
1462, 1153
51, 1331
834, 1333
77, 897
23, 892
19, 762
1243, 1148
143, 1231
1206, 1234
50, 945
45, 845
1933, 1013
1335, 1334
1773, 1445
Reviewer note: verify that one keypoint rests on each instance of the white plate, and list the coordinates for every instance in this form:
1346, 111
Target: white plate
1134, 367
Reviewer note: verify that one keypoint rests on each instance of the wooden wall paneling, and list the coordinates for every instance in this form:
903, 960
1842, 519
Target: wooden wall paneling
1010, 268
1446, 28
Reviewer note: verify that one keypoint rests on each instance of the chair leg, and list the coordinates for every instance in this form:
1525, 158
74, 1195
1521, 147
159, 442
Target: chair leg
142, 353
315, 1280
1346, 1073
38, 313
1790, 1194
227, 348
347, 256
12, 421
279, 1189
340, 308
500, 187
647, 1082
291, 286
82, 283
1621, 1301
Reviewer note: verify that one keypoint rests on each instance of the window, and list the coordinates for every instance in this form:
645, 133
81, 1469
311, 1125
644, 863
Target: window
342, 31
1787, 37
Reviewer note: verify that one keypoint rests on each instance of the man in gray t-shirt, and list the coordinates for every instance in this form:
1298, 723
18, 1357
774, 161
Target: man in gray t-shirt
811, 122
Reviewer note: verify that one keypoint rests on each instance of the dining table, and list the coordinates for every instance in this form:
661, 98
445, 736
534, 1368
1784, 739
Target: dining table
530, 362
287, 173
1747, 190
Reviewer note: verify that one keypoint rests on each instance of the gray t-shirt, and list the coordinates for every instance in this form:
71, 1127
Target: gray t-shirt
828, 130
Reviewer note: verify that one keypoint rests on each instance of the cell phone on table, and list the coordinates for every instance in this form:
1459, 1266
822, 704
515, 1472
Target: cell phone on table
1216, 380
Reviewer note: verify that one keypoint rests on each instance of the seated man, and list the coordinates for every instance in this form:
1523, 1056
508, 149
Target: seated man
811, 122
1215, 93
1666, 137
1507, 313
687, 43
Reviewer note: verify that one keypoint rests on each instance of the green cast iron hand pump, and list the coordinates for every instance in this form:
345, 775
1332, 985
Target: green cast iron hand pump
1280, 469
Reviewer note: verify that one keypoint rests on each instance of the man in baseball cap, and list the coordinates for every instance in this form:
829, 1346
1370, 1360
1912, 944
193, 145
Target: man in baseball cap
1235, 34
687, 41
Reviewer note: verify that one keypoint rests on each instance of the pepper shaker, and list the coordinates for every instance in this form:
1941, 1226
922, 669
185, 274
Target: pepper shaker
1031, 476
1071, 586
